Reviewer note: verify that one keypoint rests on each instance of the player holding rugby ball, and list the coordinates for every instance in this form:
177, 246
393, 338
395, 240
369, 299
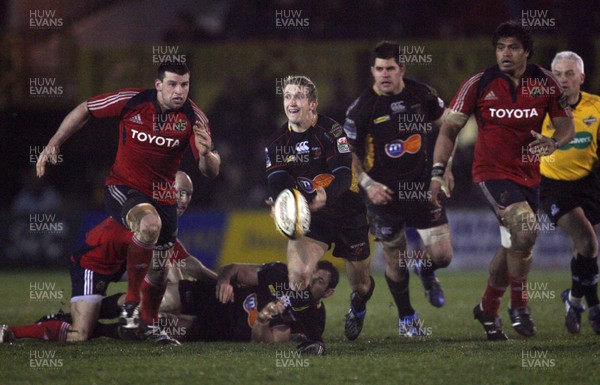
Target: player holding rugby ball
310, 152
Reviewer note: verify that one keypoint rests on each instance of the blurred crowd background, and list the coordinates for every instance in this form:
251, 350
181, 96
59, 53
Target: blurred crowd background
238, 52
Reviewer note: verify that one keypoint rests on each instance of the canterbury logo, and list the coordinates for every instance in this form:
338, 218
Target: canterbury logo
398, 147
302, 147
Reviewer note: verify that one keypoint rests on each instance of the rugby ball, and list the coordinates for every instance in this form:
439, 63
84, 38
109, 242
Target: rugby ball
292, 215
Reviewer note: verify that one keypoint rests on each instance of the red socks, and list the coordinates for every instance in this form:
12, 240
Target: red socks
47, 331
492, 299
151, 297
518, 292
139, 257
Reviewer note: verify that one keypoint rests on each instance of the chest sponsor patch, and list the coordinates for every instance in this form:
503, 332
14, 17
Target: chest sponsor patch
582, 140
310, 185
397, 148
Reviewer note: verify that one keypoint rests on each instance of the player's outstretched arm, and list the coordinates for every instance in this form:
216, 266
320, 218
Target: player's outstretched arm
564, 133
70, 125
209, 161
235, 273
263, 332
196, 269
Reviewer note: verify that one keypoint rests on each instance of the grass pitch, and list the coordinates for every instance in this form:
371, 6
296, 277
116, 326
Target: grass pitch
455, 352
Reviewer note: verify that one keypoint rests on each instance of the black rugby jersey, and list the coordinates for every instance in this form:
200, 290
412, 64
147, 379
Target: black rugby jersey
318, 157
394, 135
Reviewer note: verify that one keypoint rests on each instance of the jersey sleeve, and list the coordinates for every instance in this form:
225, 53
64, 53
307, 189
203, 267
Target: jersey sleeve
270, 273
434, 105
465, 100
179, 252
278, 177
558, 105
339, 161
111, 104
202, 119
355, 127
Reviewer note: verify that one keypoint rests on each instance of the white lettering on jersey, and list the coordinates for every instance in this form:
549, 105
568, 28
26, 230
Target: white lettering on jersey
154, 139
516, 113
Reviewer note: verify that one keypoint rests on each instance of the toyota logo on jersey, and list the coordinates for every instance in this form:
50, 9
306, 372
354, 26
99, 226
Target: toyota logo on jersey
154, 139
398, 147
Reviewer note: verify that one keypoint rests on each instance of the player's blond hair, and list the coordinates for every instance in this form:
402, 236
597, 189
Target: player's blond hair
303, 81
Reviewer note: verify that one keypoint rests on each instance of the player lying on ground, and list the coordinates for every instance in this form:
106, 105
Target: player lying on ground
247, 303
570, 190
310, 152
155, 126
103, 260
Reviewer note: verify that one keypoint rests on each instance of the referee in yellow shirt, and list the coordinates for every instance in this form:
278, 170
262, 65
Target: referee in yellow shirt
570, 190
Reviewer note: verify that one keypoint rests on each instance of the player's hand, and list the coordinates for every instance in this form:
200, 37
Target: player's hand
224, 291
449, 181
319, 201
315, 348
271, 203
379, 193
542, 145
202, 139
50, 153
436, 187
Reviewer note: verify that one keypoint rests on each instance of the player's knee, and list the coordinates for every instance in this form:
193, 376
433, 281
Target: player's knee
395, 243
587, 246
521, 223
299, 278
443, 259
144, 221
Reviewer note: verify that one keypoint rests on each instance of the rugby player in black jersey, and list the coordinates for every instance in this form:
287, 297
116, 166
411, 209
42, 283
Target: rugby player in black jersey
392, 127
310, 152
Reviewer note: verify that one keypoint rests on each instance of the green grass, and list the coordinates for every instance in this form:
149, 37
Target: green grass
456, 352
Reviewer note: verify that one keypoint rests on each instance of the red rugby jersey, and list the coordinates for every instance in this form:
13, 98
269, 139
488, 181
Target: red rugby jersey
106, 248
505, 115
151, 143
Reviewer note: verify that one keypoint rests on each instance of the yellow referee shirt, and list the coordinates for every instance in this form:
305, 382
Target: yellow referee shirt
575, 160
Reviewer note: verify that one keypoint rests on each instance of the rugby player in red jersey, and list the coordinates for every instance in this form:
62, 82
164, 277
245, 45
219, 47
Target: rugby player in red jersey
303, 150
100, 261
155, 128
509, 102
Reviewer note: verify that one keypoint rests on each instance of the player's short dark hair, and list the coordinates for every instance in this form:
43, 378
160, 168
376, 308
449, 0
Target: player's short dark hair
513, 28
334, 274
386, 50
303, 81
178, 68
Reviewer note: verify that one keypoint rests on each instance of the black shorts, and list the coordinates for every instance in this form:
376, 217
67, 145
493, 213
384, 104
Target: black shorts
389, 219
501, 193
558, 197
118, 196
87, 282
198, 299
349, 233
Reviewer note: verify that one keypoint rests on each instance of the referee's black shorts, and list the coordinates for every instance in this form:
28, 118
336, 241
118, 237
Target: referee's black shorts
558, 197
